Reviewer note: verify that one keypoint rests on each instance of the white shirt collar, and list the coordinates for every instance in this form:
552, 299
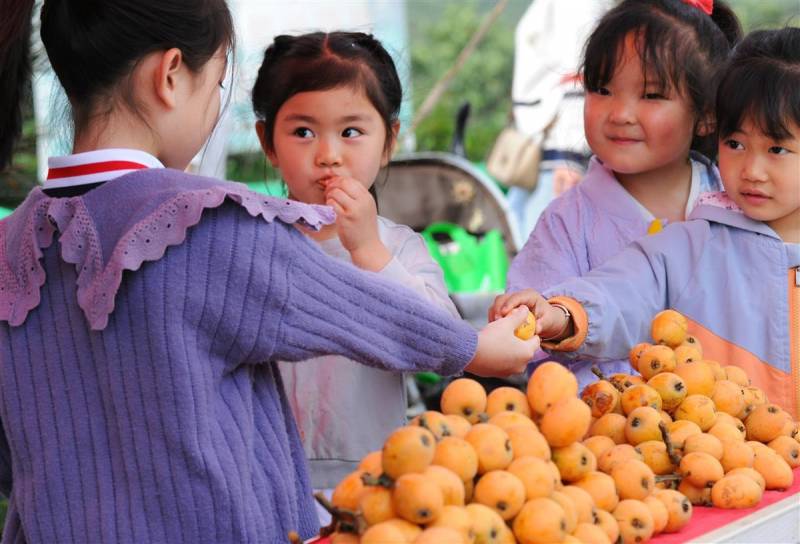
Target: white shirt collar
96, 166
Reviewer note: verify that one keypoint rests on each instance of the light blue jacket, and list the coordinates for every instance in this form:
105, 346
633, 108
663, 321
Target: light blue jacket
732, 277
587, 226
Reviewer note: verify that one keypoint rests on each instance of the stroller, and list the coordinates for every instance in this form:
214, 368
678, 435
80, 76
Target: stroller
424, 190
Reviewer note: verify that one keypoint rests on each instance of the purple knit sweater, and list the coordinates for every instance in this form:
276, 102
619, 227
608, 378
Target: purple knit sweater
165, 420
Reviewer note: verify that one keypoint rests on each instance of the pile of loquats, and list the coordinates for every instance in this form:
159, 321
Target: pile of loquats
624, 460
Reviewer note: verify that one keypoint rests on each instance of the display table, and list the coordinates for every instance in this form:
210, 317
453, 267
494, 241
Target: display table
776, 520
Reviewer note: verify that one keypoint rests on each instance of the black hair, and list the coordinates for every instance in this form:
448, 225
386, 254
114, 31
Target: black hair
15, 69
762, 83
94, 45
678, 43
319, 61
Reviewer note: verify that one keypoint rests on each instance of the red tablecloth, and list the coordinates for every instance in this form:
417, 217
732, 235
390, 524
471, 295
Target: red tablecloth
706, 519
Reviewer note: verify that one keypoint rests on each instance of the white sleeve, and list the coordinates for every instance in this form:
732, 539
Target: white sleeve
412, 266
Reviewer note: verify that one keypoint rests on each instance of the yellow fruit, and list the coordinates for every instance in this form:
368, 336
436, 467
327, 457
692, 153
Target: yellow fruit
487, 525
625, 380
751, 473
527, 329
526, 440
501, 491
435, 422
737, 375
654, 454
728, 397
698, 496
670, 387
642, 425
602, 488
776, 472
507, 418
669, 328
457, 455
535, 475
601, 397
591, 534
659, 513
383, 533
725, 431
375, 504
582, 501
464, 397
698, 377
574, 461
549, 383
701, 469
409, 530
608, 524
686, 353
699, 409
655, 360
492, 445
617, 454
736, 491
541, 521
455, 517
348, 491
610, 425
636, 352
640, 395
565, 421
451, 486
680, 429
678, 507
570, 510
765, 423
633, 479
788, 448
736, 454
372, 464
417, 499
408, 449
635, 521
598, 444
459, 426
508, 399
707, 443
440, 535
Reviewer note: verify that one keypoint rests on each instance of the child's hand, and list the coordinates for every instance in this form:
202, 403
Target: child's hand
500, 353
550, 321
357, 222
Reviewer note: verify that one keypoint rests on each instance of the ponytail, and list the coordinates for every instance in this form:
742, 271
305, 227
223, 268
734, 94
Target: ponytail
15, 69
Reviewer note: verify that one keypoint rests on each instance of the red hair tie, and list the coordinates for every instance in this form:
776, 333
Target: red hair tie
706, 6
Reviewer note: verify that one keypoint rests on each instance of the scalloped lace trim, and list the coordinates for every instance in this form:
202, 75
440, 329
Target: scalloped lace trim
22, 276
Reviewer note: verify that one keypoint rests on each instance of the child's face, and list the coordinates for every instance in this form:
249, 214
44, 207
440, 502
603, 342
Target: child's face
762, 176
322, 134
635, 129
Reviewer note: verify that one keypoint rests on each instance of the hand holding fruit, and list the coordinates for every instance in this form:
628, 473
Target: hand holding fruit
357, 222
550, 320
500, 352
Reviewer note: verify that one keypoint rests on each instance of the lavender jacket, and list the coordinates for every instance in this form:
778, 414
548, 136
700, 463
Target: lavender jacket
137, 395
584, 228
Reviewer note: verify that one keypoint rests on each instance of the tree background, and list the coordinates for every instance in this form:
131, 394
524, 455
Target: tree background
438, 30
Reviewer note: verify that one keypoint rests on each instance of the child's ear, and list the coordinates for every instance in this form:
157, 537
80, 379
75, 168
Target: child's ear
706, 125
167, 72
261, 131
389, 149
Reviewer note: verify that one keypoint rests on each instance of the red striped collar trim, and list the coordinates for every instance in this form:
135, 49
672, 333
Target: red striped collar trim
96, 166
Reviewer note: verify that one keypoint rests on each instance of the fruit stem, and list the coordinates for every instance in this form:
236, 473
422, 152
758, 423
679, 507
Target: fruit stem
599, 373
383, 480
342, 519
673, 456
669, 477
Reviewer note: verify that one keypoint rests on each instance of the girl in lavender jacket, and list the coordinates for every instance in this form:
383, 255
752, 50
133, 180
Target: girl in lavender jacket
733, 269
139, 398
649, 71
